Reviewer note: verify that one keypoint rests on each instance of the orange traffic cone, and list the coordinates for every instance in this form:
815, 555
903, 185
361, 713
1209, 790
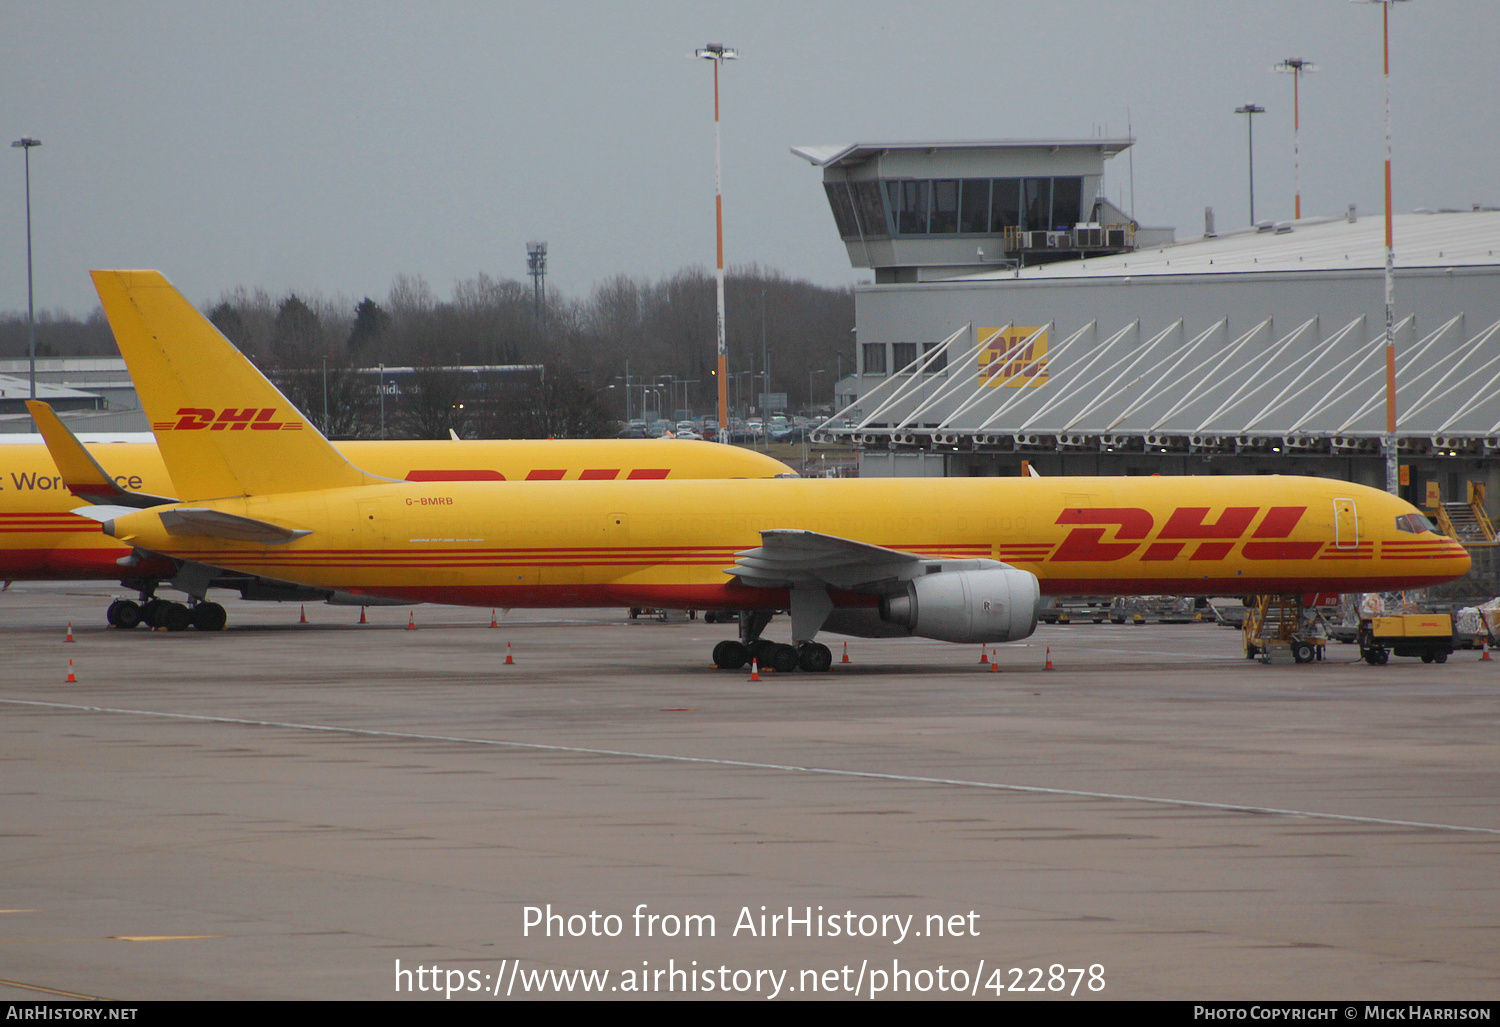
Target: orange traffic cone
846, 653
362, 616
984, 657
494, 623
995, 665
71, 678
754, 670
508, 657
411, 621
70, 632
1483, 658
1049, 659
303, 619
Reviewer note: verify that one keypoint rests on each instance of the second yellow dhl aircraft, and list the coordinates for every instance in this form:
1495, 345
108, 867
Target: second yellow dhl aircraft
41, 540
961, 560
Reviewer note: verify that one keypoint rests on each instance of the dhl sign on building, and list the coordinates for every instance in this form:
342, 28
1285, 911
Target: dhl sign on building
1013, 358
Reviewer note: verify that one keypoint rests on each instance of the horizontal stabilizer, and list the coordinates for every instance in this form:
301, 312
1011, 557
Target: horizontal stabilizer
187, 520
104, 513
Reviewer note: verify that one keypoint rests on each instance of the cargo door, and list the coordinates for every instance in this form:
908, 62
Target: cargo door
1345, 524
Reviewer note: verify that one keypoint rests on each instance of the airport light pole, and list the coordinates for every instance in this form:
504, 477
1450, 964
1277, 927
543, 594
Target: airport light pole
719, 53
1296, 67
26, 143
810, 374
1249, 110
1392, 465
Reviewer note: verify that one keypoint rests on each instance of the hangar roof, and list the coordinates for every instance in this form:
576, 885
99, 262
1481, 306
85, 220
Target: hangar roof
1422, 240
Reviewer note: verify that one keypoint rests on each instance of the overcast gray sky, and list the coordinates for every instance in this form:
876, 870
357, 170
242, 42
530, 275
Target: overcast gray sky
328, 147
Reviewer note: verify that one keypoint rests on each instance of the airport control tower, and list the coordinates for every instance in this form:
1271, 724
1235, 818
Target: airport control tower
924, 212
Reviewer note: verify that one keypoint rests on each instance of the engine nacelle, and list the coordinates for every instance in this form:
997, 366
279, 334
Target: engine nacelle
991, 605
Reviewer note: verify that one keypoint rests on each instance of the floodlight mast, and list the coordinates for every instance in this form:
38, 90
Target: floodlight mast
26, 143
718, 53
1392, 466
1296, 67
1250, 110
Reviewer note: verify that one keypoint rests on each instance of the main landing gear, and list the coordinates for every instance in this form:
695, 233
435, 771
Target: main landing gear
164, 613
813, 657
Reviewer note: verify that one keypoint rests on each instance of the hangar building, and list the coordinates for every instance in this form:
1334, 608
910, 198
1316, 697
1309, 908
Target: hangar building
1006, 333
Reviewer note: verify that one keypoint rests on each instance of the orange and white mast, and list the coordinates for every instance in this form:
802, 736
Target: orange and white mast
719, 53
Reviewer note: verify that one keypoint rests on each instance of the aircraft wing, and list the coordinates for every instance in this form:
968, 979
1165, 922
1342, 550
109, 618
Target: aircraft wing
789, 557
81, 473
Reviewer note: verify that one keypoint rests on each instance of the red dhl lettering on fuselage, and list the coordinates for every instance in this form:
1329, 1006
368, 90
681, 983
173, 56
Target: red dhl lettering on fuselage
230, 419
1188, 526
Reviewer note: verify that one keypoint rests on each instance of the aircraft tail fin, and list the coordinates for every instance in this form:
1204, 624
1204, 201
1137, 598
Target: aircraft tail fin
223, 429
80, 472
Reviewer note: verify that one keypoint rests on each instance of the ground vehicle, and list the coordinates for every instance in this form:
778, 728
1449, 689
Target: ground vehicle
1280, 625
1428, 635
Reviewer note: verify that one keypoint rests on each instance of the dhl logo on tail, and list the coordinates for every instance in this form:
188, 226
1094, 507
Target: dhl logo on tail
230, 418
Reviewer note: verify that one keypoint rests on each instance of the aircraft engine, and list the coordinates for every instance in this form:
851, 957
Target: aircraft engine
992, 605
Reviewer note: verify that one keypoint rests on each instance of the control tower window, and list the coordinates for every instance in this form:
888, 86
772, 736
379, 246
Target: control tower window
857, 209
843, 209
869, 208
1005, 209
944, 206
909, 206
1067, 202
974, 207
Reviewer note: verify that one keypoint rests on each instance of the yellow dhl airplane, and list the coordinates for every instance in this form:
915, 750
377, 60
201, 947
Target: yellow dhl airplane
42, 540
958, 559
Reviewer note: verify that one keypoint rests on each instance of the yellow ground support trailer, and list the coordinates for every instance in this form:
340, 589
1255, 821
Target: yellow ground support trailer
1428, 635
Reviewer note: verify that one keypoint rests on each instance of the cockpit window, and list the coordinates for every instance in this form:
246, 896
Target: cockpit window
1415, 523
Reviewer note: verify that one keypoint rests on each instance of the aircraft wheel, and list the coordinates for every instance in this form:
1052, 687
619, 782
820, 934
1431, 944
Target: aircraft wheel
149, 610
731, 655
814, 657
124, 614
762, 651
1302, 652
173, 616
209, 617
783, 659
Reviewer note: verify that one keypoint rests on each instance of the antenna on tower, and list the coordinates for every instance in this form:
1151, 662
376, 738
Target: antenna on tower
536, 267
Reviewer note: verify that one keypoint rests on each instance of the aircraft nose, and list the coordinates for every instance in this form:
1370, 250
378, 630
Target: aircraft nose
1462, 561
